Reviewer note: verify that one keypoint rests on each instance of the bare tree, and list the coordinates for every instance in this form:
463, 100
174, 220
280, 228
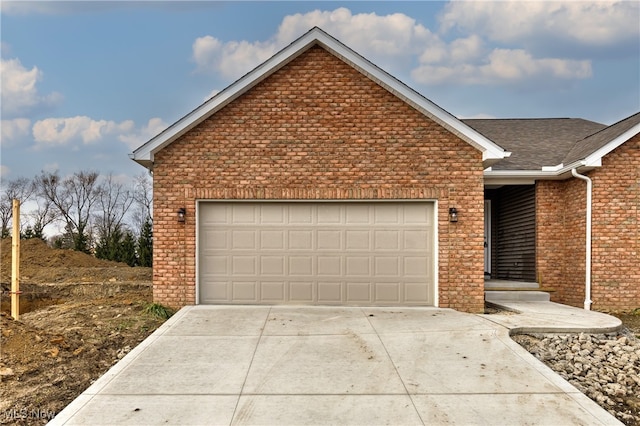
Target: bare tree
143, 196
42, 215
20, 189
114, 201
74, 197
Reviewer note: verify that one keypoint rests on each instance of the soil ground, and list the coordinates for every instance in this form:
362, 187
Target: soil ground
79, 316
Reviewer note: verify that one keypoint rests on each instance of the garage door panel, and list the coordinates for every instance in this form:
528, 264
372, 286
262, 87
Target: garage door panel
242, 215
215, 292
301, 291
301, 239
416, 240
357, 240
358, 292
386, 266
416, 214
386, 213
214, 239
416, 293
245, 291
215, 265
243, 265
301, 214
301, 265
357, 215
272, 214
329, 266
273, 291
316, 253
387, 293
272, 265
358, 266
272, 240
330, 292
243, 240
329, 215
386, 240
329, 240
415, 266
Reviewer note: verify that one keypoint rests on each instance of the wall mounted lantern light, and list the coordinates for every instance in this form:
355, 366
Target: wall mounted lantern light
453, 214
182, 212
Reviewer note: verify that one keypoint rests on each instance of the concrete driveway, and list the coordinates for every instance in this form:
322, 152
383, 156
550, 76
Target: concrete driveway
279, 365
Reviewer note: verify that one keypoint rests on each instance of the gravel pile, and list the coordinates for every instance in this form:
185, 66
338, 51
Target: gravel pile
605, 367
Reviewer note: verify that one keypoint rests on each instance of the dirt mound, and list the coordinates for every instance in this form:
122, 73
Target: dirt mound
35, 252
40, 263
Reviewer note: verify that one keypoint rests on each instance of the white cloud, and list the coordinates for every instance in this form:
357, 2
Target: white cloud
594, 23
14, 129
19, 92
502, 66
398, 43
136, 137
4, 170
383, 39
82, 129
62, 131
459, 51
232, 59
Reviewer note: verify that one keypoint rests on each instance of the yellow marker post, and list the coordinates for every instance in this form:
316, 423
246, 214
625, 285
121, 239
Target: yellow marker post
15, 262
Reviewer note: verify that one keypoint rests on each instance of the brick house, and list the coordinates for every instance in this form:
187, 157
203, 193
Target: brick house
318, 178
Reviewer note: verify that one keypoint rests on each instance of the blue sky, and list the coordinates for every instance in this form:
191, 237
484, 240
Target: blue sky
85, 83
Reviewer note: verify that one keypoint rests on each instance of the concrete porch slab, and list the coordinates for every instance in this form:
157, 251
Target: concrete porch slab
550, 317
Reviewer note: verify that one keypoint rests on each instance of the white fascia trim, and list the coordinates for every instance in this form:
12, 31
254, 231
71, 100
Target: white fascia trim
595, 159
511, 177
519, 174
490, 151
552, 168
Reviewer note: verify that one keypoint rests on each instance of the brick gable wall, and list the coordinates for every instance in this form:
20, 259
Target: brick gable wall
317, 129
616, 229
615, 264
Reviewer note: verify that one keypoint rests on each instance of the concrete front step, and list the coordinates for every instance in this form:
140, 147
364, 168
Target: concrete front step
491, 284
526, 295
545, 289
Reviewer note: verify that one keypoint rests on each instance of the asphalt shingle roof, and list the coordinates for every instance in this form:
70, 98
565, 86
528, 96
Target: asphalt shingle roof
536, 142
592, 143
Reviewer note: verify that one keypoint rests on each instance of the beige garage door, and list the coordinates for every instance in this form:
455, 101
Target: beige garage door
316, 253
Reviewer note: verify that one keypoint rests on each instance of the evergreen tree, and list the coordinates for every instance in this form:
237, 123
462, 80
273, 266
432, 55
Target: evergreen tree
80, 238
128, 250
145, 244
109, 247
28, 233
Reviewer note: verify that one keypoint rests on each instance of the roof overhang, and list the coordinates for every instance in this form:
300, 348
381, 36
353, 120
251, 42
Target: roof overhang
559, 171
491, 152
595, 158
528, 177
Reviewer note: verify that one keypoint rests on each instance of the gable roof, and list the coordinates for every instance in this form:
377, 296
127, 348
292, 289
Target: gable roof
491, 152
535, 142
592, 148
539, 154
